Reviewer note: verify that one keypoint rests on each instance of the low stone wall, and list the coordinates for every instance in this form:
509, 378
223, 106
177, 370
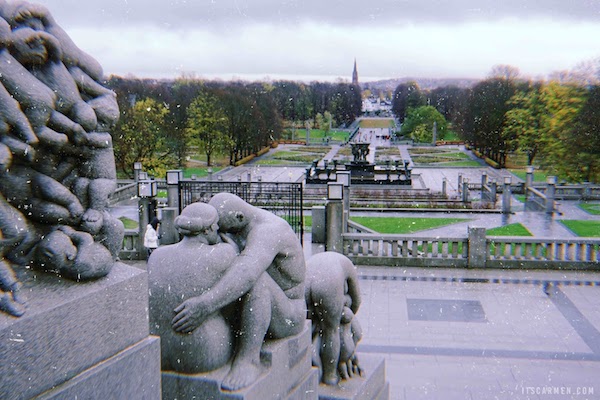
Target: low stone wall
474, 251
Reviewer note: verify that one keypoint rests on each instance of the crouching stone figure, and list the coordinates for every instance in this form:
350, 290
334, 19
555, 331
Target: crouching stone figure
332, 299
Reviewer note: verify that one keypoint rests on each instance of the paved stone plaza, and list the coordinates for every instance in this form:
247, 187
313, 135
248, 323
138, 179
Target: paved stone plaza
531, 333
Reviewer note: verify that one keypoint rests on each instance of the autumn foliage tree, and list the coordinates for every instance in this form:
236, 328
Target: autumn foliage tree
206, 125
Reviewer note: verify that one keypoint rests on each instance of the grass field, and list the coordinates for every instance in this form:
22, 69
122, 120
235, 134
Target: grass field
509, 230
376, 123
404, 225
584, 228
538, 176
129, 223
198, 171
592, 208
315, 134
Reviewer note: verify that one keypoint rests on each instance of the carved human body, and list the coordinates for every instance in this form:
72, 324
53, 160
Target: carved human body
178, 272
332, 299
56, 157
182, 271
268, 276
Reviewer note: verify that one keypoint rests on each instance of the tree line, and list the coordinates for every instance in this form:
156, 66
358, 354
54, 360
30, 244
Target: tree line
161, 120
554, 123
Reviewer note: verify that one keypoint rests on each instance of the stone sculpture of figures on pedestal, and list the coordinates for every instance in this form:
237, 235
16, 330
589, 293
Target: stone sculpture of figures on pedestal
261, 289
333, 298
185, 270
57, 160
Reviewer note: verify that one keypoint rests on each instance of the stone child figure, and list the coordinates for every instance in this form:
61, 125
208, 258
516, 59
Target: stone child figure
268, 275
182, 271
332, 299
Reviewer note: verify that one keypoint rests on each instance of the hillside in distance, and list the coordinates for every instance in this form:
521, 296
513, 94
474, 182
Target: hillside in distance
424, 83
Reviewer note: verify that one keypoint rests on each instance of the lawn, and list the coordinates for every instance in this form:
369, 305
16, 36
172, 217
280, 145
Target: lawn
585, 228
317, 134
591, 208
538, 176
509, 230
129, 223
376, 123
404, 225
198, 171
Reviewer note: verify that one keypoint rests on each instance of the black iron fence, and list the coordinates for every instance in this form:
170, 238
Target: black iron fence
282, 199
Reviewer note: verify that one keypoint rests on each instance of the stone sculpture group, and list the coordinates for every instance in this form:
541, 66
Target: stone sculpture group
239, 277
56, 158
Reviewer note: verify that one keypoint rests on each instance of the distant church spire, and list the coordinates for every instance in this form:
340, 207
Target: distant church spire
355, 74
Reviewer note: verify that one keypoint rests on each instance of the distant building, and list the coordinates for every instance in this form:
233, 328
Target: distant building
355, 74
376, 105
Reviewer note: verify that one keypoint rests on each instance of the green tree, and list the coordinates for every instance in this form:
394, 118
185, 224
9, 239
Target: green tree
586, 136
327, 121
419, 124
523, 124
562, 150
486, 108
406, 96
141, 135
206, 125
319, 121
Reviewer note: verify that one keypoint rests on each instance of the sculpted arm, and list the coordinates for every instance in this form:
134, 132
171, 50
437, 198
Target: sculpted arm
239, 278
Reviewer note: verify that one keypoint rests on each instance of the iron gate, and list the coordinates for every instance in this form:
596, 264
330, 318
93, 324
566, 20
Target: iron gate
282, 199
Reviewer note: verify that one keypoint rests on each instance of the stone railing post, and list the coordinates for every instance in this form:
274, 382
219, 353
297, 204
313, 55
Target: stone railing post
528, 177
506, 195
483, 183
318, 233
550, 194
477, 248
465, 190
168, 231
143, 211
334, 217
444, 186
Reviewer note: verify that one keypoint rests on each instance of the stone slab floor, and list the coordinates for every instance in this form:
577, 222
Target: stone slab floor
475, 334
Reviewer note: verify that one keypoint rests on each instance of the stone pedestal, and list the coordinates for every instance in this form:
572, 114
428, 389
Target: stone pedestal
371, 386
81, 340
287, 375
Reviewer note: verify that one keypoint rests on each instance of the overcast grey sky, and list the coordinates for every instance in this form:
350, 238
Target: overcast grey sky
319, 39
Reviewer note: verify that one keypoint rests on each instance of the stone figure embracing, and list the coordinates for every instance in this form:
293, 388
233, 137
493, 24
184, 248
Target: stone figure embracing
57, 165
254, 295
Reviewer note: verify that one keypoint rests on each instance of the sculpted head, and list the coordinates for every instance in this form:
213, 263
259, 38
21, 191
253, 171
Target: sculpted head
31, 47
78, 260
199, 219
234, 213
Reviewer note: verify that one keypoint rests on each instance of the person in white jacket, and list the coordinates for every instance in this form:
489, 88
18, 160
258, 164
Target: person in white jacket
151, 235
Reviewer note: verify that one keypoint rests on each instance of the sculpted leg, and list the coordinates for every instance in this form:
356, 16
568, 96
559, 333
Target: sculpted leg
256, 317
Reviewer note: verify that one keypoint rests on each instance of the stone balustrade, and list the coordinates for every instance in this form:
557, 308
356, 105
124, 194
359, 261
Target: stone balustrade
491, 251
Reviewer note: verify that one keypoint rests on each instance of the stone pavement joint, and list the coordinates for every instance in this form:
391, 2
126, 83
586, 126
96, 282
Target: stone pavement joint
582, 325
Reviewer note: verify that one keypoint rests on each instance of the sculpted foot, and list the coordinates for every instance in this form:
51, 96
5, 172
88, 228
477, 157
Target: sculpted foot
241, 375
91, 221
330, 379
8, 305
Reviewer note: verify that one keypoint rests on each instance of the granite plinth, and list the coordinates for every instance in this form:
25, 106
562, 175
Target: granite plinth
287, 375
371, 386
132, 374
71, 327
